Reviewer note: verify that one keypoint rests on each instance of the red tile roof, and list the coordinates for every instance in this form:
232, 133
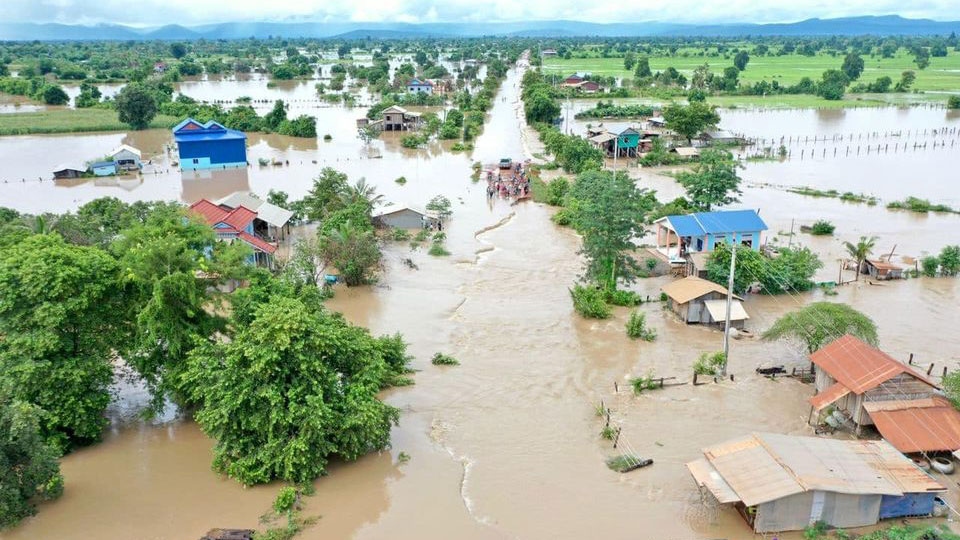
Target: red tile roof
859, 366
239, 218
257, 243
210, 212
919, 425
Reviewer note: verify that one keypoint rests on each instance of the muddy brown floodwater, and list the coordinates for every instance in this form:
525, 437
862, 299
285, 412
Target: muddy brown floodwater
506, 445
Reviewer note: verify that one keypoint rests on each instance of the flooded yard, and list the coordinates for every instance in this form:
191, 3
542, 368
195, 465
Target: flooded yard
506, 445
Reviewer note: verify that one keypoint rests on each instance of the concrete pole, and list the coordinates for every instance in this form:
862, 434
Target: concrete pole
726, 325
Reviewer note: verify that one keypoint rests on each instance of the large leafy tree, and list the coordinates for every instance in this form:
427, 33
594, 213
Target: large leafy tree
861, 250
169, 265
852, 66
59, 321
293, 387
136, 105
325, 195
820, 323
610, 212
689, 120
792, 271
352, 250
29, 471
713, 181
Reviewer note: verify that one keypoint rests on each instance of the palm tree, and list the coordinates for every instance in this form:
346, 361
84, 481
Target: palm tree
861, 250
361, 192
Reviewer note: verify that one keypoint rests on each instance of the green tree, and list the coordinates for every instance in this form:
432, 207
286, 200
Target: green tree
852, 66
907, 78
352, 250
950, 260
441, 206
643, 68
292, 388
610, 212
832, 85
59, 321
820, 323
953, 103
629, 60
750, 268
689, 120
361, 192
740, 60
713, 181
540, 106
860, 251
29, 470
170, 265
54, 95
178, 50
276, 116
136, 105
89, 96
324, 197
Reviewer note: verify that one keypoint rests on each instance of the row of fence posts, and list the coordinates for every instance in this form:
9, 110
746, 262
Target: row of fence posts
840, 137
879, 149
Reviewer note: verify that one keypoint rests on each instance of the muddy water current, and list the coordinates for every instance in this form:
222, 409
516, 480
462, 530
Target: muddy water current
506, 445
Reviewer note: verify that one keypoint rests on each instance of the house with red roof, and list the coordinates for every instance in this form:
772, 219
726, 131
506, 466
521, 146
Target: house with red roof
867, 385
236, 224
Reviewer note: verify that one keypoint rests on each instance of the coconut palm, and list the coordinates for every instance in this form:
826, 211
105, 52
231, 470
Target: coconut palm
861, 250
361, 192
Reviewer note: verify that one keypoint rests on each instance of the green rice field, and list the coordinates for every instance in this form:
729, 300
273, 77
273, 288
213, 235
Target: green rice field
58, 120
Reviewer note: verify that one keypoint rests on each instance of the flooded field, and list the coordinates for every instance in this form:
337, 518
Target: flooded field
506, 445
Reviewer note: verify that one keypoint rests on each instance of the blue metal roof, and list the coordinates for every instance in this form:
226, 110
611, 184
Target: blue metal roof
99, 164
210, 131
701, 223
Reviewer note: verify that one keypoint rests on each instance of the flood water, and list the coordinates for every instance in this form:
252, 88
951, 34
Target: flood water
506, 445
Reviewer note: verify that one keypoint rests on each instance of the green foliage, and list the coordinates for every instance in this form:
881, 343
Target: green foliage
574, 154
609, 110
623, 462
658, 155
623, 298
294, 386
741, 60
713, 181
816, 531
413, 141
352, 249
637, 327
30, 471
590, 302
950, 260
642, 384
440, 359
790, 272
59, 318
915, 204
136, 105
852, 66
861, 250
54, 95
286, 500
689, 120
301, 126
441, 206
608, 433
953, 103
711, 364
822, 228
929, 265
819, 323
609, 211
324, 196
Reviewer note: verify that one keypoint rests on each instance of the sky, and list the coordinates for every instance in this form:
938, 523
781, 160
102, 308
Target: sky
195, 12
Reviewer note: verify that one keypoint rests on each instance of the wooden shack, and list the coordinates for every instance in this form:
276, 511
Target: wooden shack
698, 301
881, 270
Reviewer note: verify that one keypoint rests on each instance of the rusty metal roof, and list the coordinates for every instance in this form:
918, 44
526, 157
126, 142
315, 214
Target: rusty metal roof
764, 467
828, 397
708, 477
859, 366
918, 425
883, 265
691, 287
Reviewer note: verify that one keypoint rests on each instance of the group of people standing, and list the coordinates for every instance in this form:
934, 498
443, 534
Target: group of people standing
512, 182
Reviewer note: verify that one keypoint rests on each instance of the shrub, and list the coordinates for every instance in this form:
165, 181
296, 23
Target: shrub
440, 359
422, 236
950, 260
328, 137
637, 327
589, 302
709, 364
608, 433
556, 191
650, 263
563, 217
399, 235
640, 384
413, 141
437, 250
622, 298
929, 266
953, 102
401, 180
822, 228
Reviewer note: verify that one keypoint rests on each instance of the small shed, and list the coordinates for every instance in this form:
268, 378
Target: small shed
881, 270
686, 152
403, 217
785, 483
697, 300
69, 170
103, 168
126, 157
657, 121
588, 87
721, 137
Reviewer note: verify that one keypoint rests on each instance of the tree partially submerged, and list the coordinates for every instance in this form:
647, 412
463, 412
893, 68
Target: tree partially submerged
820, 323
713, 181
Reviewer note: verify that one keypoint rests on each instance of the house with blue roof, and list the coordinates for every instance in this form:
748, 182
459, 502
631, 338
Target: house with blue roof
209, 145
419, 86
684, 235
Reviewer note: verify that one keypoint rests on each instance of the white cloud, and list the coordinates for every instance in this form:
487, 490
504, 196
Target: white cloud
159, 12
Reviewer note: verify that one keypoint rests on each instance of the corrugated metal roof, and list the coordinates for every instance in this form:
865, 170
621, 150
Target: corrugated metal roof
764, 467
828, 397
690, 287
883, 265
923, 425
708, 477
859, 366
721, 222
718, 310
126, 147
686, 151
270, 213
77, 166
602, 138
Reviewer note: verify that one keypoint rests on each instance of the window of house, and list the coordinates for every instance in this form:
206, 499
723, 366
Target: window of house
196, 161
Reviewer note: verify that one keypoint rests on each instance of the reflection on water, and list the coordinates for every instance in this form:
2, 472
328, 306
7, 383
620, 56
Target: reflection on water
505, 445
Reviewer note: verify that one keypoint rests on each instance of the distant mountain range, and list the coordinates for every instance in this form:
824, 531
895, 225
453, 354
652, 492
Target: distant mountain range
874, 25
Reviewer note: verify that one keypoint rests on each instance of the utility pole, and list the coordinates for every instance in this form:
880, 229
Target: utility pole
790, 241
726, 326
616, 150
